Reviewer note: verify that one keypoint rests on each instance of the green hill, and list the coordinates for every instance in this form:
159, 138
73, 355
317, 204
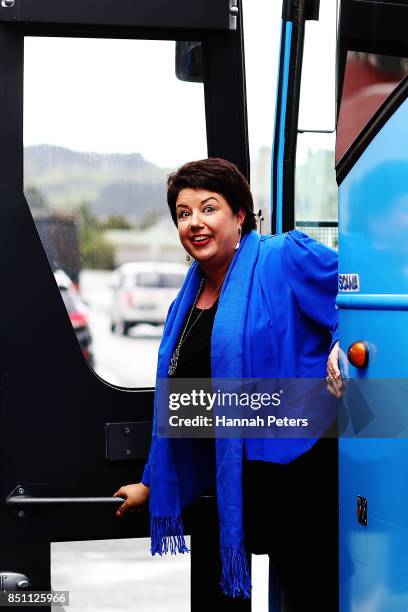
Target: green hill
112, 184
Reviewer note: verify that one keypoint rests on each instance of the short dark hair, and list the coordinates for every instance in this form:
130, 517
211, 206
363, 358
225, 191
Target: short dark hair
218, 175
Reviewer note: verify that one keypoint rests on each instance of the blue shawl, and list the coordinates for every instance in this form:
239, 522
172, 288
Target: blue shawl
177, 471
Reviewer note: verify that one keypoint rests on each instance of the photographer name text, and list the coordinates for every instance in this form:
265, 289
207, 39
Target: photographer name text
219, 400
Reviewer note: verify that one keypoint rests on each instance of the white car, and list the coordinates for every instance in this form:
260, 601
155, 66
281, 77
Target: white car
143, 292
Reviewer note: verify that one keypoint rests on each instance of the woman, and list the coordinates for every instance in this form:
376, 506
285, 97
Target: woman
250, 307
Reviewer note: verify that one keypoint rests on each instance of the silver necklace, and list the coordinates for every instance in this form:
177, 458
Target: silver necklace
176, 352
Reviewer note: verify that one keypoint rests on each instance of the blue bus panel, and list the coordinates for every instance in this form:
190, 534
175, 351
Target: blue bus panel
373, 248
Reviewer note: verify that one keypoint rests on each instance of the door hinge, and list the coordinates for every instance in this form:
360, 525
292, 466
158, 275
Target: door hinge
12, 581
234, 12
259, 220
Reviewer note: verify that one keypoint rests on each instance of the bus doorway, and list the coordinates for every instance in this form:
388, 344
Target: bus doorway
71, 432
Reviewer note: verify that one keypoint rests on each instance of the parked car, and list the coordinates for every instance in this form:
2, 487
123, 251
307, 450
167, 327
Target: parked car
78, 314
143, 292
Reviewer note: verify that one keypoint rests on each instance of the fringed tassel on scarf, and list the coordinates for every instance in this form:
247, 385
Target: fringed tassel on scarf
235, 581
167, 535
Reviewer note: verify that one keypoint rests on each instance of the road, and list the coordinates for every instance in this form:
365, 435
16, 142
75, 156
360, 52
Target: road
127, 361
119, 576
122, 576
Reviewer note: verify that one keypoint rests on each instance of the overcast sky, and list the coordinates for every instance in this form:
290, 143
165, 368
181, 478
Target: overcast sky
122, 96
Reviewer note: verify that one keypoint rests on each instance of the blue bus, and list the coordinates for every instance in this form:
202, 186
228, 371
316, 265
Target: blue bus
69, 433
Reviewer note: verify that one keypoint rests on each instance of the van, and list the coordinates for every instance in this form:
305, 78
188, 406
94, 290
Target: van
143, 292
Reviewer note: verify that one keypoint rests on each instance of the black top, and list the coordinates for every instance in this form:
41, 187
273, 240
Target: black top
195, 352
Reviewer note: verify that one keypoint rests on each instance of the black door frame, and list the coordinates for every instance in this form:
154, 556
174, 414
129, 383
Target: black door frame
54, 409
295, 13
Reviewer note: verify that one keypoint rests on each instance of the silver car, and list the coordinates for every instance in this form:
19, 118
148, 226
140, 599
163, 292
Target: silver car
143, 292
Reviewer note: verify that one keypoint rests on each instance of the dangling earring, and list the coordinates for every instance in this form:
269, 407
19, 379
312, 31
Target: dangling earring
239, 239
188, 258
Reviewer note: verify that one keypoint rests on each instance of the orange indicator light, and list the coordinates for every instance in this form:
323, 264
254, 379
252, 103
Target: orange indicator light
357, 354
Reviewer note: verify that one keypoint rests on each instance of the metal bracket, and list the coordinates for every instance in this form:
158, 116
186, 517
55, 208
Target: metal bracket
19, 492
128, 441
260, 218
362, 504
234, 12
312, 10
12, 581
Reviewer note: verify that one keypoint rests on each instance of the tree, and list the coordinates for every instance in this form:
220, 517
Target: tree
36, 199
149, 219
96, 252
316, 187
119, 222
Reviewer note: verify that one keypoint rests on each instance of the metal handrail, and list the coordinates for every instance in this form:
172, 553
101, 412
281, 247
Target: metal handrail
17, 502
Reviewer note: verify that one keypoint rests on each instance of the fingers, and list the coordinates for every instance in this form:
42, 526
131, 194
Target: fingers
122, 509
333, 369
127, 507
135, 495
344, 364
334, 388
334, 381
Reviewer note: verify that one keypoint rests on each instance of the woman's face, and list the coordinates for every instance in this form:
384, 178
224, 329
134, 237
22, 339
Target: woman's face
208, 228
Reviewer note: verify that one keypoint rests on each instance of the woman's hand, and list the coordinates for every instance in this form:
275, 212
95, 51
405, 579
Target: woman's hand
334, 381
135, 495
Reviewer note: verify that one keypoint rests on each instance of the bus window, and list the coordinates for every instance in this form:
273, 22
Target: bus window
316, 187
105, 122
315, 183
317, 100
369, 79
315, 179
